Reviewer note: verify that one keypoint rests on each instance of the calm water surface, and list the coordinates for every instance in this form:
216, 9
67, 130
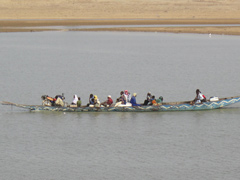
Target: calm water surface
175, 145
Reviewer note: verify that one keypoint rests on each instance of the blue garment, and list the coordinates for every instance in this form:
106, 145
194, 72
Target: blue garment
133, 101
91, 100
150, 102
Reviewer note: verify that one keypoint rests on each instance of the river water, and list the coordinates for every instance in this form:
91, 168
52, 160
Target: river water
164, 145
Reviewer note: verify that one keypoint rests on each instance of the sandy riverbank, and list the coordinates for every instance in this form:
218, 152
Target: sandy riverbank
30, 15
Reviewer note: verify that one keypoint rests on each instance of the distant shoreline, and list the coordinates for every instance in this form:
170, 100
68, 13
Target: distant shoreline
31, 15
30, 25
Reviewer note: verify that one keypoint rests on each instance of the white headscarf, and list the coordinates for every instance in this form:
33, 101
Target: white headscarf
75, 99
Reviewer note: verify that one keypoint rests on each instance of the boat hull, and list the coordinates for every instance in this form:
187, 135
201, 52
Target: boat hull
160, 108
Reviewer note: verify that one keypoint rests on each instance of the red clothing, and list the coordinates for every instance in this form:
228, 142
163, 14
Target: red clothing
109, 101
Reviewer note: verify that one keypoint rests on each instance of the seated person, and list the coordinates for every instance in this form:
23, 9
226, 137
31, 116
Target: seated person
75, 99
199, 97
79, 102
108, 102
126, 97
91, 100
133, 100
153, 101
159, 100
96, 101
146, 102
120, 98
129, 97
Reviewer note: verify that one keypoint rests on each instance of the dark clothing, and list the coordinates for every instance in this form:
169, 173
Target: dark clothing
119, 99
148, 100
124, 100
91, 100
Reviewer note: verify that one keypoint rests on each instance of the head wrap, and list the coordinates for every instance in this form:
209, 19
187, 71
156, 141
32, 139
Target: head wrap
75, 99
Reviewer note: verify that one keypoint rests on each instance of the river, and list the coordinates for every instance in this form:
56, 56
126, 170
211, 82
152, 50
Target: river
163, 145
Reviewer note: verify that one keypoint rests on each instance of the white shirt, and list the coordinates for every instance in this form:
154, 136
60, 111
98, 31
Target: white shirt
200, 96
75, 99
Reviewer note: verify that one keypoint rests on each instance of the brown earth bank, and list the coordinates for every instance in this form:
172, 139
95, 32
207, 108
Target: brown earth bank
15, 14
119, 9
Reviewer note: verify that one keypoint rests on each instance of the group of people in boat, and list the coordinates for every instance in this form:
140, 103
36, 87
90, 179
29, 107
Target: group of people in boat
125, 99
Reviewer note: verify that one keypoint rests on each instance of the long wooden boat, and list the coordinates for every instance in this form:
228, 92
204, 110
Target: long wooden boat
170, 106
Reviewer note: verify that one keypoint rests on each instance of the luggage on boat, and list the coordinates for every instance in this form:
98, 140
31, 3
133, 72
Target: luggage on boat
59, 102
123, 105
49, 101
60, 96
213, 98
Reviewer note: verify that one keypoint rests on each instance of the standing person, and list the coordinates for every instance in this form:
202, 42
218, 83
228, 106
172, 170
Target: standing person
199, 97
133, 100
79, 102
75, 99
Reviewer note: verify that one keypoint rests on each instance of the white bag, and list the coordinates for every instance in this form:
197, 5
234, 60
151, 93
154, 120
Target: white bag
214, 98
